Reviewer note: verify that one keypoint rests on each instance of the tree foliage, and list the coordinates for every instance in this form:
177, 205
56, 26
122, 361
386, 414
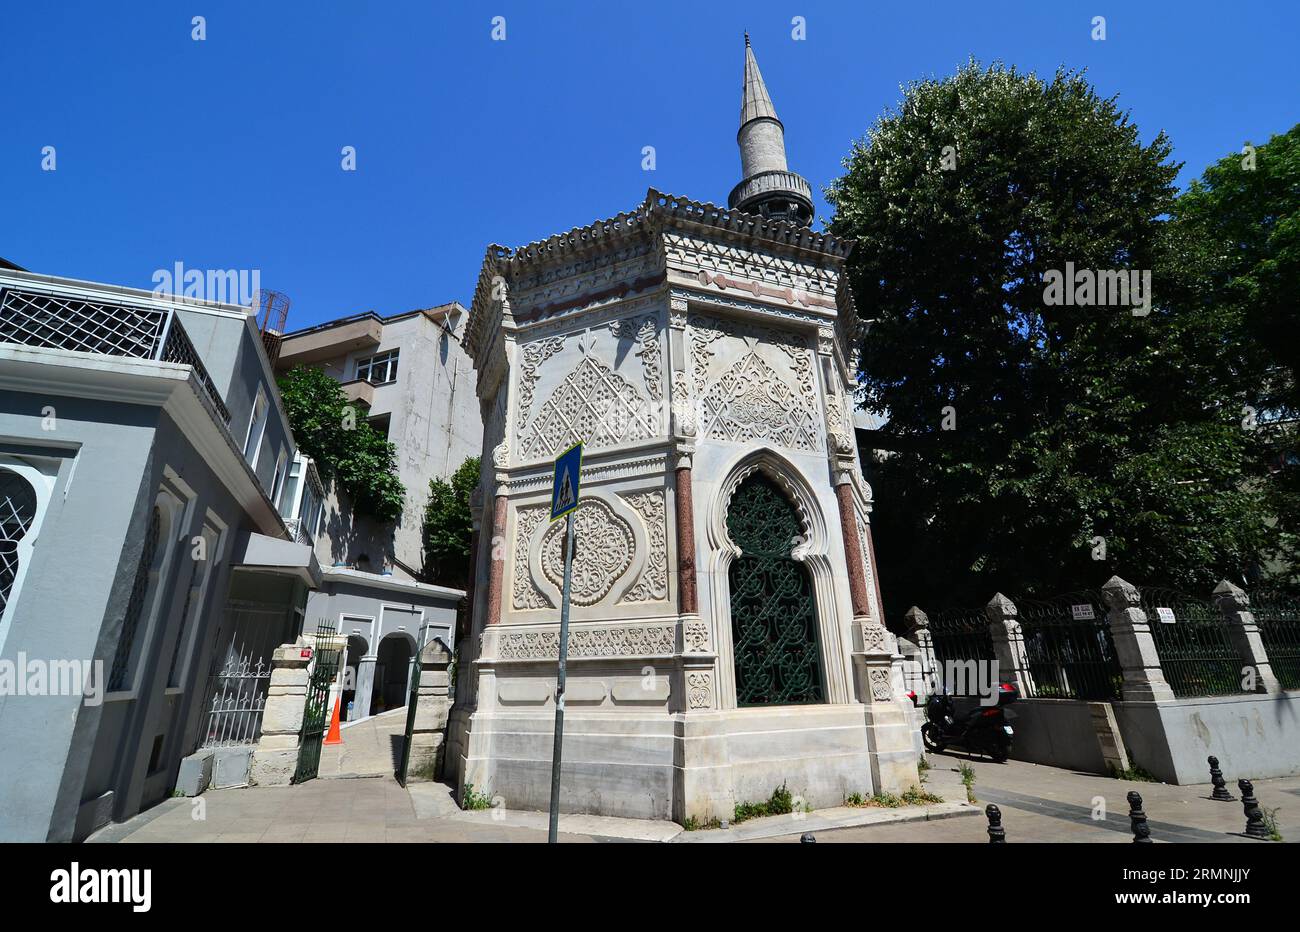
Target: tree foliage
334, 433
448, 526
1085, 440
1243, 214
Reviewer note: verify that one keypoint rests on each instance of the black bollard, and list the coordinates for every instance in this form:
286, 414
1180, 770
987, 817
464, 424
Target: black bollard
997, 834
1138, 819
1220, 785
807, 839
1255, 826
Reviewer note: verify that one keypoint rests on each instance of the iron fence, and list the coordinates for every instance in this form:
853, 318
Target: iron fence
1191, 637
1278, 617
237, 687
961, 634
34, 318
1068, 649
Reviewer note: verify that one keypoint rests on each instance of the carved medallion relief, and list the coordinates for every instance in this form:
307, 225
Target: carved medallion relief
603, 551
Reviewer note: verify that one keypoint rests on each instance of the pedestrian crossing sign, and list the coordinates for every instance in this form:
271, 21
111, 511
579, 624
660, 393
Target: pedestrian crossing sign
564, 491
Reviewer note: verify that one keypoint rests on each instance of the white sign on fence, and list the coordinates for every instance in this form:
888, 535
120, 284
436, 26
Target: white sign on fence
1166, 615
1082, 612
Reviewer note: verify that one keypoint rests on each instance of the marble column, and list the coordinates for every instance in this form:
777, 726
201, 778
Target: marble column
687, 602
496, 568
853, 551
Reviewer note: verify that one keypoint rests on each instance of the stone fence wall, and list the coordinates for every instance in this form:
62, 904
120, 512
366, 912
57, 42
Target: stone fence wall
1117, 679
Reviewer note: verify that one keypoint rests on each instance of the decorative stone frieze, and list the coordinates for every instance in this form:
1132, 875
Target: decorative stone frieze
602, 642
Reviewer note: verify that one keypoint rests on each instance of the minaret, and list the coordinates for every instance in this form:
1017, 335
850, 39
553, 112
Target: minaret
769, 188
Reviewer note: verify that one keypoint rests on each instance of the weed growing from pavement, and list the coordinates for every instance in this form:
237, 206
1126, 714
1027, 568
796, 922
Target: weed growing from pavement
473, 801
968, 780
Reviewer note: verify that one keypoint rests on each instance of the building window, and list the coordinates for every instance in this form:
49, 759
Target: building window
256, 428
135, 606
281, 462
17, 513
380, 369
381, 424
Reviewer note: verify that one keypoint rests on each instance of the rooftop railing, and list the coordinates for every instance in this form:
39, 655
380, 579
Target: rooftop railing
61, 321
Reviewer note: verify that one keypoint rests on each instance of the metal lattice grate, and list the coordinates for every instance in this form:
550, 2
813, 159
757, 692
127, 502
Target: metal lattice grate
38, 319
58, 321
180, 349
773, 616
17, 512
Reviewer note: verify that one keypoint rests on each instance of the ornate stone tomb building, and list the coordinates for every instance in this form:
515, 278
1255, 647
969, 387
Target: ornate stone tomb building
726, 629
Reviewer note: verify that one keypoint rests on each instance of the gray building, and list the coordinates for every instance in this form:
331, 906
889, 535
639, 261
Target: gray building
411, 379
146, 571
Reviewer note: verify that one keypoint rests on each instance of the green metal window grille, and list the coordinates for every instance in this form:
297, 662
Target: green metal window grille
773, 615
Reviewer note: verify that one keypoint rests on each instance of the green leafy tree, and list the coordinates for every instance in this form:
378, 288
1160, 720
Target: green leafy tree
334, 433
1243, 215
1040, 447
448, 526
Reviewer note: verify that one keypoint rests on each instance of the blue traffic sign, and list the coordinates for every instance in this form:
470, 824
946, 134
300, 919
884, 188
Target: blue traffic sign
564, 491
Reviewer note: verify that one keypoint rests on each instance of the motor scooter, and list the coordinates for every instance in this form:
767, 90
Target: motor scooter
983, 729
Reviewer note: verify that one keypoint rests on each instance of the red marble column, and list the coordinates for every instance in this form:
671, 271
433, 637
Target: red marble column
465, 622
853, 551
686, 601
496, 566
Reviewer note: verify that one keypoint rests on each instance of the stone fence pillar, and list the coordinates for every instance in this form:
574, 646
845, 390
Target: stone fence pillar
276, 756
1009, 644
918, 632
1144, 679
1243, 632
433, 702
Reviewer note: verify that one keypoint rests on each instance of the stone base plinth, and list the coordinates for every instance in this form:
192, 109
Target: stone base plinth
677, 766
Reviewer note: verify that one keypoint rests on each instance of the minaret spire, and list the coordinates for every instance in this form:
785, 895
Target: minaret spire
768, 187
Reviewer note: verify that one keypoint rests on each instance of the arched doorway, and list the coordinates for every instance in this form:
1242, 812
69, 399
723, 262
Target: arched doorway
392, 672
357, 648
773, 614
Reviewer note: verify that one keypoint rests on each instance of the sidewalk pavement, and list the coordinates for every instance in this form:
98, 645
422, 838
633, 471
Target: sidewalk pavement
1043, 804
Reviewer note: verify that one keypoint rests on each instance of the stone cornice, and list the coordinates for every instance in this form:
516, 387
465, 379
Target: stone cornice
502, 266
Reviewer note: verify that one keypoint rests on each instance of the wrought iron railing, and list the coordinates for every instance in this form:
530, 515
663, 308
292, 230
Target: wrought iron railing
61, 321
1191, 637
1278, 617
241, 674
1068, 648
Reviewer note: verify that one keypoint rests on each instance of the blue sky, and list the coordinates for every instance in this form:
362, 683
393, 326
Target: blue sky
226, 153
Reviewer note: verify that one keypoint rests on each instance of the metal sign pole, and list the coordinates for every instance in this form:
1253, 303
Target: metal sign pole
559, 681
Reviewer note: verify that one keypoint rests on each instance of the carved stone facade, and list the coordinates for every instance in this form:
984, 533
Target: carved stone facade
687, 347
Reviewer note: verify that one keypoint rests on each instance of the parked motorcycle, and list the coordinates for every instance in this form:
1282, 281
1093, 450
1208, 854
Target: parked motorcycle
983, 729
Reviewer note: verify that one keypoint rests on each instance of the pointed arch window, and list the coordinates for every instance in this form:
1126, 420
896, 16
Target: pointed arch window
17, 514
776, 656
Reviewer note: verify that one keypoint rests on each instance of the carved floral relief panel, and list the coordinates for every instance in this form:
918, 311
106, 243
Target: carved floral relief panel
754, 383
595, 393
652, 586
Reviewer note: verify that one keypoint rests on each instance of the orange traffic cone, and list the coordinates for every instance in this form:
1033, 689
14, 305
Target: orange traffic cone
334, 737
